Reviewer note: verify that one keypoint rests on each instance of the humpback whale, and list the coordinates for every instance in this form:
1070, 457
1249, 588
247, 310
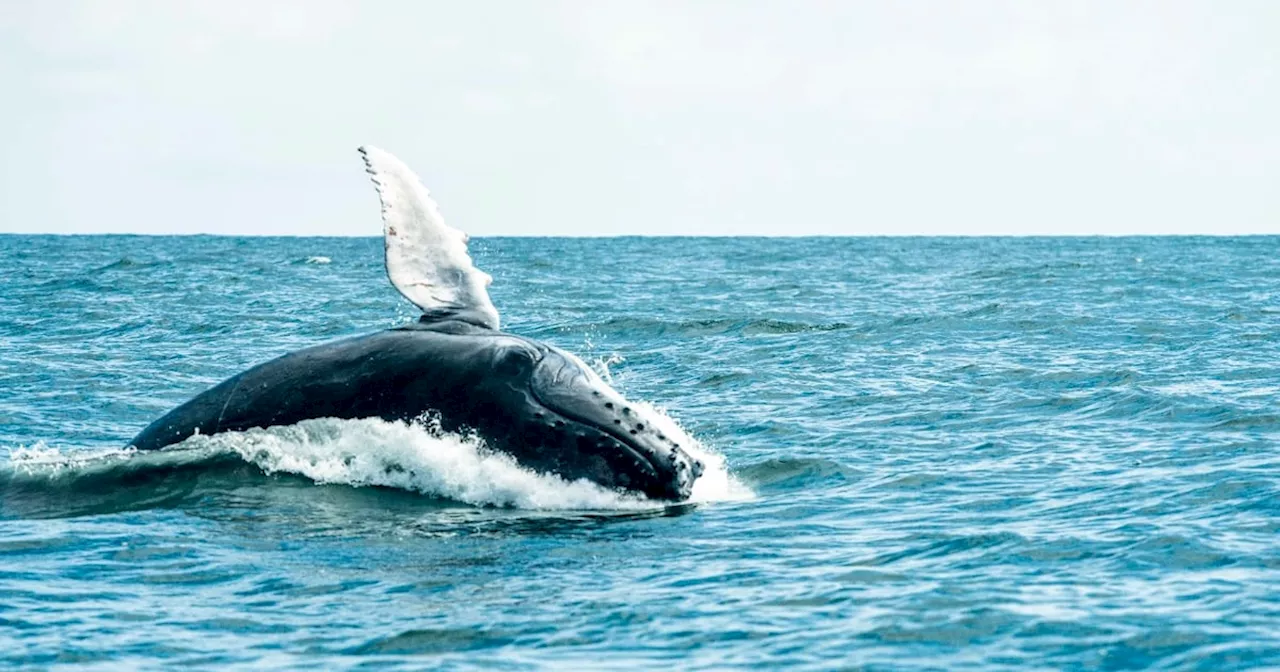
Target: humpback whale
529, 399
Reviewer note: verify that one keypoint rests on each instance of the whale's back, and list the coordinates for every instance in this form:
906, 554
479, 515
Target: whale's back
395, 375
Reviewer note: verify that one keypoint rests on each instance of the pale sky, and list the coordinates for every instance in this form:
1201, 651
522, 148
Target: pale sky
651, 118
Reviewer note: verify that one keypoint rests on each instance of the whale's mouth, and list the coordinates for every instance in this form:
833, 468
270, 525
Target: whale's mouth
636, 461
646, 459
635, 464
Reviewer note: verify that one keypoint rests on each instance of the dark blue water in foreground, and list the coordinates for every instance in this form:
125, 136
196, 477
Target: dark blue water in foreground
942, 454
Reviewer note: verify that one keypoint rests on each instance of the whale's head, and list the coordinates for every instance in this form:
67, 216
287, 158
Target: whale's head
560, 416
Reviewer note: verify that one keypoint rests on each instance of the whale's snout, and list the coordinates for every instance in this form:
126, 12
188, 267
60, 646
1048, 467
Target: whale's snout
674, 470
591, 443
623, 442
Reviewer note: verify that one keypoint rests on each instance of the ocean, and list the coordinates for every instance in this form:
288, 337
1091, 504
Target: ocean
924, 453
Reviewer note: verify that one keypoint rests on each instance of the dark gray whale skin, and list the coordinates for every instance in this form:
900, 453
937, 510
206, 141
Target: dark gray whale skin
523, 397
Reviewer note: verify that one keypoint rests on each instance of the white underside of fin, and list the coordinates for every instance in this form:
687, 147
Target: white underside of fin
427, 260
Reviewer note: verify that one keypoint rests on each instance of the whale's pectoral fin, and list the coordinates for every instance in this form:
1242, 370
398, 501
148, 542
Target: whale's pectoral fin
427, 259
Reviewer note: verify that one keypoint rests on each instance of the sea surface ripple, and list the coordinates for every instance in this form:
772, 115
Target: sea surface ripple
993, 453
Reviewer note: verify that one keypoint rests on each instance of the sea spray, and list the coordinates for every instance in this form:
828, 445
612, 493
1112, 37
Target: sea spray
415, 457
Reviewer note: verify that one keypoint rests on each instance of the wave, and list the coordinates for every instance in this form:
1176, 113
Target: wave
127, 263
754, 326
795, 473
703, 327
41, 481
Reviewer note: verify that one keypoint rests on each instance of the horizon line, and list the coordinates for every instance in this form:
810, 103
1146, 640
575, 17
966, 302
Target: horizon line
106, 234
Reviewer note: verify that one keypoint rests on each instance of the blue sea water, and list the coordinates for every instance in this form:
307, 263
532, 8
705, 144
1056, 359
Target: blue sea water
937, 454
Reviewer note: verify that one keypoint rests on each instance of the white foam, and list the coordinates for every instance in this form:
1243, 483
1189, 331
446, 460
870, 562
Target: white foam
410, 457
716, 484
40, 457
319, 260
600, 364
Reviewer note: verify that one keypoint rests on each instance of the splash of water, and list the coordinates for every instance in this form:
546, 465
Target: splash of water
373, 452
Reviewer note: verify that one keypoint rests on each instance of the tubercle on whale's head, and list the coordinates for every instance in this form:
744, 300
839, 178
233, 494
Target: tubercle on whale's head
562, 418
640, 454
